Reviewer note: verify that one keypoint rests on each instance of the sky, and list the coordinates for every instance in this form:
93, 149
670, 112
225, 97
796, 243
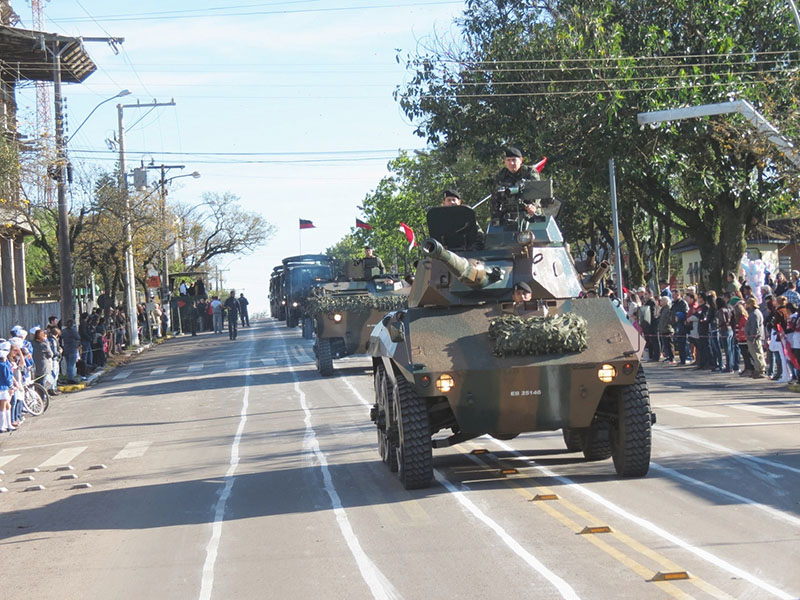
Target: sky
286, 104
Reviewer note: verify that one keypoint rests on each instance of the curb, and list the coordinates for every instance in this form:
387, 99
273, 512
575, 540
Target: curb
94, 377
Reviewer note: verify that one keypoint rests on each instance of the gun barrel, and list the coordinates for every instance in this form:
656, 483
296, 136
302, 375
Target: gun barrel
592, 281
470, 273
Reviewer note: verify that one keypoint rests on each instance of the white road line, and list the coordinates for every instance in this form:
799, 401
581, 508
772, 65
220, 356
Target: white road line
562, 586
269, 362
733, 454
195, 367
133, 450
4, 460
159, 371
692, 412
122, 375
652, 527
762, 410
63, 457
207, 582
777, 514
380, 587
232, 365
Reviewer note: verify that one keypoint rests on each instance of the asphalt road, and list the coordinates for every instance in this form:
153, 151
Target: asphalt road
232, 470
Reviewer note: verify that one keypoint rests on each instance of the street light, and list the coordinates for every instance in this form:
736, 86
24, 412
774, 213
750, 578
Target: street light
120, 95
64, 251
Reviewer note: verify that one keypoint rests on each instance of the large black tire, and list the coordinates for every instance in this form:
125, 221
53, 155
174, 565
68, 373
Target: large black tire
324, 357
572, 439
632, 438
596, 441
291, 320
308, 328
414, 448
386, 427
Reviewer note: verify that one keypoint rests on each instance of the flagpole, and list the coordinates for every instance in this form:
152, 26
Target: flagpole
300, 240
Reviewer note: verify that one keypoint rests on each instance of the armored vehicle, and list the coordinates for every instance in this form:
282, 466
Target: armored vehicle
465, 357
300, 274
344, 312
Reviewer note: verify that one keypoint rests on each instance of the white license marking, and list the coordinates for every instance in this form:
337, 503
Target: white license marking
692, 412
762, 410
195, 367
123, 375
133, 450
4, 460
269, 362
160, 371
63, 457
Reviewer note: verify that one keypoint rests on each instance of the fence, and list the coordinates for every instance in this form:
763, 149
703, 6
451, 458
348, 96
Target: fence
26, 315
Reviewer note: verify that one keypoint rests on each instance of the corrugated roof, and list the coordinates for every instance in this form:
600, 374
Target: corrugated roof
28, 55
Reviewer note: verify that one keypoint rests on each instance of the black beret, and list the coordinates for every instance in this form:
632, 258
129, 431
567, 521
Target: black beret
453, 193
522, 286
513, 152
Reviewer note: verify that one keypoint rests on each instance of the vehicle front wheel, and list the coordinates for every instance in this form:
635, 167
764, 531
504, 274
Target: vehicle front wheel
308, 328
387, 430
632, 439
572, 439
324, 357
414, 448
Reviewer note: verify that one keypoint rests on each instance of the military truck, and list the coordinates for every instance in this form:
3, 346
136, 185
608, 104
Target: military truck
465, 357
300, 274
344, 312
277, 303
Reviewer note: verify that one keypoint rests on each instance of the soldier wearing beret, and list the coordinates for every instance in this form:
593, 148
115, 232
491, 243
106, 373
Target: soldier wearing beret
451, 198
369, 252
522, 292
514, 173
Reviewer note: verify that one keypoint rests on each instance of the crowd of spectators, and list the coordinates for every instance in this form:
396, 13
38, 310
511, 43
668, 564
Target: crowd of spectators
753, 333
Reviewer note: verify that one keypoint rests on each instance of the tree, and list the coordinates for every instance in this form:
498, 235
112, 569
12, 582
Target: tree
569, 77
217, 226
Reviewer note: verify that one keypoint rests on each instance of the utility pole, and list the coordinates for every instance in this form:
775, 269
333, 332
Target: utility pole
130, 280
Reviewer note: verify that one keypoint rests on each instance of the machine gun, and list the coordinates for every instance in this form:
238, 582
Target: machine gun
509, 204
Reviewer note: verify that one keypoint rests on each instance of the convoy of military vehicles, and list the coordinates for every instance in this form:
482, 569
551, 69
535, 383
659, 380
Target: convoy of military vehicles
457, 355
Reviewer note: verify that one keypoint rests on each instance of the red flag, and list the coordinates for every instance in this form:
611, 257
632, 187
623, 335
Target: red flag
362, 225
787, 348
306, 224
409, 233
540, 165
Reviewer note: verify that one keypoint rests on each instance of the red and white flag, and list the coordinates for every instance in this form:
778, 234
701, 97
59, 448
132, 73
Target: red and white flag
540, 165
409, 233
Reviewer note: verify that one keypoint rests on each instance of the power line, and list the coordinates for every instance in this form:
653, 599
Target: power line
194, 14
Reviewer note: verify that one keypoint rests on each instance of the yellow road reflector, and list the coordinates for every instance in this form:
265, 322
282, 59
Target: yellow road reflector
598, 529
480, 451
509, 472
539, 497
671, 576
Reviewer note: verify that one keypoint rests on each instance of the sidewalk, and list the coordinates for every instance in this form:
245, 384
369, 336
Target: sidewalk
115, 361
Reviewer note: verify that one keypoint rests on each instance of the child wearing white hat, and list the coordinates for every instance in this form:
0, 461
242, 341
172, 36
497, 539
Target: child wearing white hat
6, 382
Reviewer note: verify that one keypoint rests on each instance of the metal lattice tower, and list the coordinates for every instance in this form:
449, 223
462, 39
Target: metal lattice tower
44, 122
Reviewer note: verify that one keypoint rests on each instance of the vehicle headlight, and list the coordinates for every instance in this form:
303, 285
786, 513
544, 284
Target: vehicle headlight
445, 383
337, 317
606, 373
283, 302
295, 304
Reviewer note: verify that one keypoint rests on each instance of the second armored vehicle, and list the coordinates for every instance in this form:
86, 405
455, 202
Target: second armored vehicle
300, 274
468, 357
344, 312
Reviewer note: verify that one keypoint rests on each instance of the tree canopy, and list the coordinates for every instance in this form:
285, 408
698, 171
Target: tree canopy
566, 79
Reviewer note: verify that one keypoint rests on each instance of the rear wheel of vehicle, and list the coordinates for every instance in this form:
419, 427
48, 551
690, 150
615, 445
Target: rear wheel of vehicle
596, 441
632, 440
414, 449
33, 400
572, 439
308, 328
387, 436
324, 357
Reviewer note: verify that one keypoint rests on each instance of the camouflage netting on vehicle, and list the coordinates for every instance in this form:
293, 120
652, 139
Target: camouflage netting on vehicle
358, 303
552, 334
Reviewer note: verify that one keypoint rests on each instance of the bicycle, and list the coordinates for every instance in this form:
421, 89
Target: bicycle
36, 400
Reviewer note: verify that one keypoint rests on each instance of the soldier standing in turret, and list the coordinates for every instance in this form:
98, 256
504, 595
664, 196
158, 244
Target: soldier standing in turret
369, 252
514, 173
